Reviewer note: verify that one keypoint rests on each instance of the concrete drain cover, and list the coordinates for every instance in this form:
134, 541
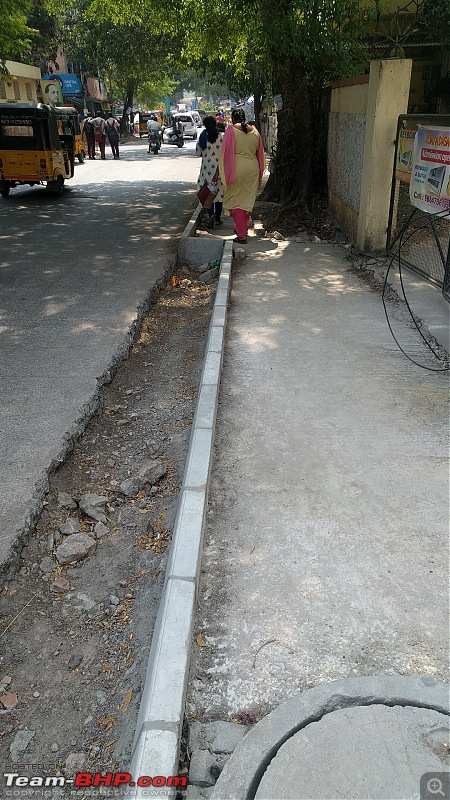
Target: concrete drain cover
380, 738
371, 752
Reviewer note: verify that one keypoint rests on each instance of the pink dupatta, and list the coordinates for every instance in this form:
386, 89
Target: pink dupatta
228, 142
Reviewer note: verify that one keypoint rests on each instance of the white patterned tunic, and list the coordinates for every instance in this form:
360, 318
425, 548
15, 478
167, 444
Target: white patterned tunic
210, 161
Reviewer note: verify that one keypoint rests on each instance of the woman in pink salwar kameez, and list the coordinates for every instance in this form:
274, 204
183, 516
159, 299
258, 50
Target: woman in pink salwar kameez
241, 167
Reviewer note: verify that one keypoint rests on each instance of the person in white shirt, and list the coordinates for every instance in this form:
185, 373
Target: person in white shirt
153, 125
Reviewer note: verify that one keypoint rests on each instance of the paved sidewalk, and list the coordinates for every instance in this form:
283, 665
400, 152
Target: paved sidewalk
326, 544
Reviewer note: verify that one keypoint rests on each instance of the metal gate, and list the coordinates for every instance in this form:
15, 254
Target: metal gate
420, 240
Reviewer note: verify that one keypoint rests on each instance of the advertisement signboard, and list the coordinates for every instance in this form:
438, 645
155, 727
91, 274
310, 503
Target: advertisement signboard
405, 155
429, 187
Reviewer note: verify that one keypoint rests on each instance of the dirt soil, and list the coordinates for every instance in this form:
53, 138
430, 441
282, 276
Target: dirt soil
292, 221
76, 637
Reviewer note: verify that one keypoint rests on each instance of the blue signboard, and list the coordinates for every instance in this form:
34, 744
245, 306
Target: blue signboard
71, 84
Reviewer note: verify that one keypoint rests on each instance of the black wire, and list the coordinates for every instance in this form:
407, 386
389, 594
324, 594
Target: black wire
430, 369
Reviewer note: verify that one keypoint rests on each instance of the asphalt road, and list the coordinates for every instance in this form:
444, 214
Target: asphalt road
74, 274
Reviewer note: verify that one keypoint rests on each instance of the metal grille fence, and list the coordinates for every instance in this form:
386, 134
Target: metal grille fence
420, 240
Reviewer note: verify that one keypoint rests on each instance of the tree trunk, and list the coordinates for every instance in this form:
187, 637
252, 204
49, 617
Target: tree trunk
129, 94
257, 106
291, 171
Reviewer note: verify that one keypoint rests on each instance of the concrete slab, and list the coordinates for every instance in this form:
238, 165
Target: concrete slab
326, 543
193, 250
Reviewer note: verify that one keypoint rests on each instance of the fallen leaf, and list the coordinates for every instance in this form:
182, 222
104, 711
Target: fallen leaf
127, 701
200, 640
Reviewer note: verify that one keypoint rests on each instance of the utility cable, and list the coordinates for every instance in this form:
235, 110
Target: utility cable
397, 254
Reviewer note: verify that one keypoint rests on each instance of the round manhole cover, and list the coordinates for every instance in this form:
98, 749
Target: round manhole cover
369, 738
362, 752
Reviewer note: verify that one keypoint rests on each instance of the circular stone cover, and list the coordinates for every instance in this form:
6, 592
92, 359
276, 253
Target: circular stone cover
370, 752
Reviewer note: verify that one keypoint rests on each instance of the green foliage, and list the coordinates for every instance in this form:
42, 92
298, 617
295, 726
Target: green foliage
15, 31
45, 39
125, 45
414, 21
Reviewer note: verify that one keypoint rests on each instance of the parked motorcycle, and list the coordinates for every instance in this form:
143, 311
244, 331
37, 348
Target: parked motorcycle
174, 136
154, 142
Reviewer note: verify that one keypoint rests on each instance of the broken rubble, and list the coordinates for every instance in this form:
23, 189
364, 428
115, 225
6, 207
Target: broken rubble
75, 762
9, 700
100, 530
75, 660
71, 525
20, 743
60, 585
223, 737
65, 500
75, 547
209, 276
47, 564
150, 472
93, 505
203, 768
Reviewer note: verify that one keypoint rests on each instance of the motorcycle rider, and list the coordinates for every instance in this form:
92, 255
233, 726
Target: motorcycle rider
153, 126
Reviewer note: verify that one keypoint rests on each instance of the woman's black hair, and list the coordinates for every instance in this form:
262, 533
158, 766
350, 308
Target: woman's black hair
211, 128
237, 115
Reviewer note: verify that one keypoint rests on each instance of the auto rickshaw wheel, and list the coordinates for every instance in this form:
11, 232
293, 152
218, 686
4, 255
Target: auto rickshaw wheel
6, 190
59, 185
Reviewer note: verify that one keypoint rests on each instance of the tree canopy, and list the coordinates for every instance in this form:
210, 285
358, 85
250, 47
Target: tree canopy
15, 30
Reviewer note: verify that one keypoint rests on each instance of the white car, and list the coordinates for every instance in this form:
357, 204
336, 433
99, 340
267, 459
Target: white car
188, 123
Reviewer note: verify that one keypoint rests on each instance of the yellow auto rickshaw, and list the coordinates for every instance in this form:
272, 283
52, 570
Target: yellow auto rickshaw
142, 117
79, 146
37, 145
140, 122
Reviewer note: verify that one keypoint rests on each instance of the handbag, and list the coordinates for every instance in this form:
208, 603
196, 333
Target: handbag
206, 194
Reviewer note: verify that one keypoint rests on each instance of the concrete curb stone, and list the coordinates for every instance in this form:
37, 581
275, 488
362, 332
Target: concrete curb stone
160, 719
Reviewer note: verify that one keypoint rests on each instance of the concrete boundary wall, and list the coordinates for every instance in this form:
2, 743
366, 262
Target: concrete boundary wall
361, 146
161, 713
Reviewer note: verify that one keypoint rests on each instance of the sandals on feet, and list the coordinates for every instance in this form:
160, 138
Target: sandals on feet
239, 241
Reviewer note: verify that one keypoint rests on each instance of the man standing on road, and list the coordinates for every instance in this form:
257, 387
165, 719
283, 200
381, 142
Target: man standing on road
100, 134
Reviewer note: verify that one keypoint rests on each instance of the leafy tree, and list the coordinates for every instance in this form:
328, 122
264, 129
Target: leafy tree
131, 53
45, 38
414, 21
15, 32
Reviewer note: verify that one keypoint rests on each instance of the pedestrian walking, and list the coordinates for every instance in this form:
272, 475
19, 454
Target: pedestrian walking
100, 134
208, 147
241, 167
112, 132
90, 136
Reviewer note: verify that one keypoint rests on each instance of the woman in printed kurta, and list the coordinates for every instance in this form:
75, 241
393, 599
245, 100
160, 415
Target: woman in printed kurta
208, 147
241, 167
